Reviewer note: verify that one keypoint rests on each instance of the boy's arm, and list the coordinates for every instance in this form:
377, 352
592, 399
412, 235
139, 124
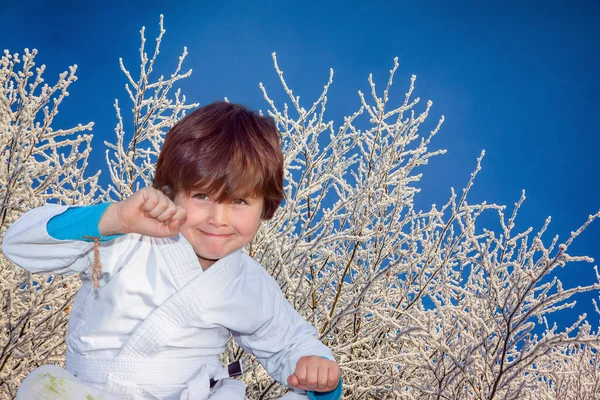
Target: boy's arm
80, 223
283, 337
48, 240
61, 247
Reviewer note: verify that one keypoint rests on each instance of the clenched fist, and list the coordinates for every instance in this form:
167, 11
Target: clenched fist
316, 374
148, 212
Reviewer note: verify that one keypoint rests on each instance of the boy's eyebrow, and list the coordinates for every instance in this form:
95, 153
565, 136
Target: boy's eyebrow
205, 190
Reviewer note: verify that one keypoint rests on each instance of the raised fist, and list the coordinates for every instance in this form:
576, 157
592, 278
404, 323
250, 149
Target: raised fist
148, 212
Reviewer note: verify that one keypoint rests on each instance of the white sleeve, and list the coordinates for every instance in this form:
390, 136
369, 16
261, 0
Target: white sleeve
27, 244
282, 336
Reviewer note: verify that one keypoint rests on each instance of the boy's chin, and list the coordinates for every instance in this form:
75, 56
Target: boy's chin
208, 258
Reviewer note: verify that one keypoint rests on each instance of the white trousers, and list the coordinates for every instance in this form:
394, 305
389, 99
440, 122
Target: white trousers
50, 382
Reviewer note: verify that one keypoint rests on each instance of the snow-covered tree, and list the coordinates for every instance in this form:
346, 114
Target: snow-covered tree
414, 303
39, 164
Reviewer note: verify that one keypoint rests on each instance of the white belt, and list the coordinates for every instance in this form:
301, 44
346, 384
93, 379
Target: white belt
122, 375
142, 371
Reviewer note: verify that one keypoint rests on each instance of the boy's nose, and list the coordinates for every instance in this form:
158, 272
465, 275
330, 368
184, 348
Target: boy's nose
219, 215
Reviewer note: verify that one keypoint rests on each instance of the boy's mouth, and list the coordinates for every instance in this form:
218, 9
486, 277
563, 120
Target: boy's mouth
216, 235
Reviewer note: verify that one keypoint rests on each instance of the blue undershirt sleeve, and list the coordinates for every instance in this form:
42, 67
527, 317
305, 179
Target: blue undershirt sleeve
77, 222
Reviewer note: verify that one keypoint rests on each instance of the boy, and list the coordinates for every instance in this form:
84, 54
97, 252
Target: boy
174, 281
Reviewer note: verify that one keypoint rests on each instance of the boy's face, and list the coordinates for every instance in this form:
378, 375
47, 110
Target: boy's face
217, 229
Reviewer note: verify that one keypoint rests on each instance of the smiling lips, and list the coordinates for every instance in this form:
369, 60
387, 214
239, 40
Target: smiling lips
213, 235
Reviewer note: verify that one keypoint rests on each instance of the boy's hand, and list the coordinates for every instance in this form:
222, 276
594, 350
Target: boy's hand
148, 212
316, 374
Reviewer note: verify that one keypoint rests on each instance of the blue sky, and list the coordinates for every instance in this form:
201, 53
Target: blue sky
518, 80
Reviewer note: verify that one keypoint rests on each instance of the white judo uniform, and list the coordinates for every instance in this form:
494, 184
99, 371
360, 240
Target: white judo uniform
157, 323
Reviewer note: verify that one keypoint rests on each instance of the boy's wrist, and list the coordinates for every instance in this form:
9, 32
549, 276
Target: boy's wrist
110, 223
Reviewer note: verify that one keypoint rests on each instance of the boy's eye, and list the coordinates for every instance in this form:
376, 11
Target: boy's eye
201, 196
239, 201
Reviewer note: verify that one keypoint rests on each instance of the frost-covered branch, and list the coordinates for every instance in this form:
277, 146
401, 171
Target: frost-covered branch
155, 110
40, 163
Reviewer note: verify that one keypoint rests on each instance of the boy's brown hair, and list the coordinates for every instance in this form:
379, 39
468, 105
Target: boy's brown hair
224, 149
